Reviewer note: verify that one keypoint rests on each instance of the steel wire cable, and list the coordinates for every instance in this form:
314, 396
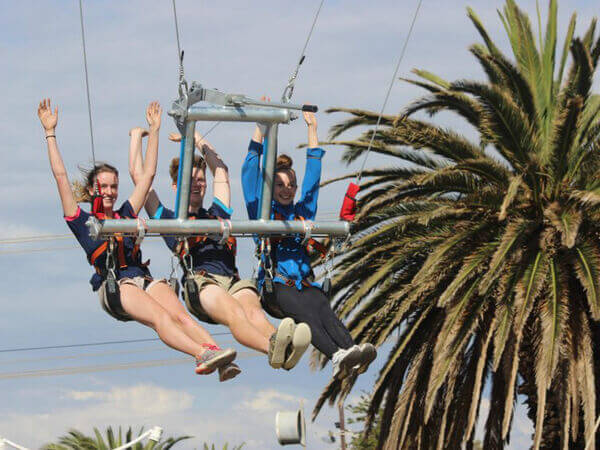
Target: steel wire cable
389, 90
87, 83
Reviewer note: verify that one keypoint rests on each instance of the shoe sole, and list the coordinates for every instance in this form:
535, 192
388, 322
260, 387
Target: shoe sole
226, 357
367, 356
300, 342
228, 372
283, 337
348, 363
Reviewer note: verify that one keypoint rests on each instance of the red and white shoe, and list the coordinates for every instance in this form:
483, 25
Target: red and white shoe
213, 358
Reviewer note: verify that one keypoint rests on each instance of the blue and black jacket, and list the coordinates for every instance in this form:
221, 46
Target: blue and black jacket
289, 255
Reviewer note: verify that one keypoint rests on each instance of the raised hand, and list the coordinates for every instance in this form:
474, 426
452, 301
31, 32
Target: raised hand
153, 113
310, 118
47, 117
175, 137
138, 131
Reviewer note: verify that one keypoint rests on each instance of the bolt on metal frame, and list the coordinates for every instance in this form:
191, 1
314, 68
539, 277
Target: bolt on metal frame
230, 108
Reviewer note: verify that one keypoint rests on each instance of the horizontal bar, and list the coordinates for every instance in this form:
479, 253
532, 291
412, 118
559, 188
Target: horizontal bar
292, 106
238, 114
178, 227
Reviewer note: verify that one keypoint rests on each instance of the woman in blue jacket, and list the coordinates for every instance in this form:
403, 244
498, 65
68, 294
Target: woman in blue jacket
295, 294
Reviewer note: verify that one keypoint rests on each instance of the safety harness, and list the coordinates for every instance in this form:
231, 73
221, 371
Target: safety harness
182, 252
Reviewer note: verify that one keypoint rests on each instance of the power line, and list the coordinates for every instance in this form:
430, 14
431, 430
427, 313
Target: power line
90, 344
106, 367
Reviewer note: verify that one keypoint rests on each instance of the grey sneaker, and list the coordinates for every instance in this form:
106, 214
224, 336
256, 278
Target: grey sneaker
344, 361
300, 342
279, 342
213, 358
229, 371
368, 353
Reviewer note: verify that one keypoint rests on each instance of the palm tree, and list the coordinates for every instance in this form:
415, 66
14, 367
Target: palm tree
483, 254
76, 440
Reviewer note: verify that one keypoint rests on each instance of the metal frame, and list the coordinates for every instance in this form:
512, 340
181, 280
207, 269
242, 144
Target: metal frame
230, 108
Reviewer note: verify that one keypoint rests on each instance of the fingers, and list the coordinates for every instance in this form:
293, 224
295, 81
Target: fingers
175, 137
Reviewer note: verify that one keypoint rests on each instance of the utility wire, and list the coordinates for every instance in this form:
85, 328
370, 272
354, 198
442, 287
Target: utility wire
90, 344
35, 238
107, 367
387, 96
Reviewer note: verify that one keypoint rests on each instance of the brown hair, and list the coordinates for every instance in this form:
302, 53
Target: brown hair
81, 187
284, 164
174, 167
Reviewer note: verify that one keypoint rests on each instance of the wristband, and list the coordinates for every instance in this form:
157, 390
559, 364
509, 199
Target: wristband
51, 135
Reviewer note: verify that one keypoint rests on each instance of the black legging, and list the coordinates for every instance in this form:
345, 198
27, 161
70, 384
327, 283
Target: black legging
310, 305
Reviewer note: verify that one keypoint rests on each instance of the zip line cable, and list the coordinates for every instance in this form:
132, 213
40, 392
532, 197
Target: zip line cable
289, 89
35, 238
387, 96
87, 83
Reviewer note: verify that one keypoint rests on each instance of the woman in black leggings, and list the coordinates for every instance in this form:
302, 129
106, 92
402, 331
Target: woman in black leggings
294, 294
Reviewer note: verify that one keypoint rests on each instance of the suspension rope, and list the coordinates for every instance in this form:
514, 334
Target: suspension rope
87, 83
387, 96
289, 89
177, 31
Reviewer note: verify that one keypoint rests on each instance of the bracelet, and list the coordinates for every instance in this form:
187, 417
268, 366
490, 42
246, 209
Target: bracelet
51, 135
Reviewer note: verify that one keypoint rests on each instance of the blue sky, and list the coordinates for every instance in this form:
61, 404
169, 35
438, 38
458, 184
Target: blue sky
241, 47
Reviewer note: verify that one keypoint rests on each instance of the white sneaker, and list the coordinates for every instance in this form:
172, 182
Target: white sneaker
300, 343
279, 342
344, 360
368, 353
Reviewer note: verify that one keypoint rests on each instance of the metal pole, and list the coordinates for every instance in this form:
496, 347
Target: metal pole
268, 172
237, 114
342, 426
183, 200
178, 227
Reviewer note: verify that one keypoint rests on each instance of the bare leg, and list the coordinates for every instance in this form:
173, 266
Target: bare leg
250, 302
144, 309
165, 296
223, 308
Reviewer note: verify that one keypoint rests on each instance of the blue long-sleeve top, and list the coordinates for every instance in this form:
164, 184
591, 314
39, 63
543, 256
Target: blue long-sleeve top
289, 255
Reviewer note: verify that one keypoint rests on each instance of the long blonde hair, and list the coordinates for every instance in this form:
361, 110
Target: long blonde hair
81, 188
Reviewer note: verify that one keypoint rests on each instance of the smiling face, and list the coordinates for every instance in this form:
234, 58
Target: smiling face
197, 188
109, 187
284, 190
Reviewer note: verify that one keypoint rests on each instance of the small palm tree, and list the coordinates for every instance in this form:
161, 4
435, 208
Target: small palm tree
483, 255
76, 440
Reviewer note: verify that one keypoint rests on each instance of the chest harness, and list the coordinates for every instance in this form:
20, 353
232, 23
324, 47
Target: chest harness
309, 244
182, 252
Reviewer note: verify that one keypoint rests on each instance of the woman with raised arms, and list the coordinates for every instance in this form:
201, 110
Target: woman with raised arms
142, 299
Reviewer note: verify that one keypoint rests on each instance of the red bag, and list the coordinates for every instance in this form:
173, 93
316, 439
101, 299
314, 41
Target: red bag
348, 211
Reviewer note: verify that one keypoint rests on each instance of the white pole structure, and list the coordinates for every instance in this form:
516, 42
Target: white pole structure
152, 434
4, 442
240, 228
229, 108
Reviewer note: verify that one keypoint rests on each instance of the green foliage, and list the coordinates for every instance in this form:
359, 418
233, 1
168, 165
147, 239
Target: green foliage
76, 440
480, 257
359, 415
225, 447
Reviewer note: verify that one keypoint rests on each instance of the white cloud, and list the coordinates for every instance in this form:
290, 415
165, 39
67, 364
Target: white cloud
270, 400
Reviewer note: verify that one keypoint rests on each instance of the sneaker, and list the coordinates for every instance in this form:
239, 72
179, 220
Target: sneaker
229, 371
368, 353
212, 358
344, 361
279, 342
300, 342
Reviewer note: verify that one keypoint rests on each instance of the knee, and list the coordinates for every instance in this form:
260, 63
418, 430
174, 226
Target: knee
183, 319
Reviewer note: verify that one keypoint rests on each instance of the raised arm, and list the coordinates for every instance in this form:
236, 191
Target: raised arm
136, 168
144, 181
307, 206
49, 120
252, 178
218, 168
